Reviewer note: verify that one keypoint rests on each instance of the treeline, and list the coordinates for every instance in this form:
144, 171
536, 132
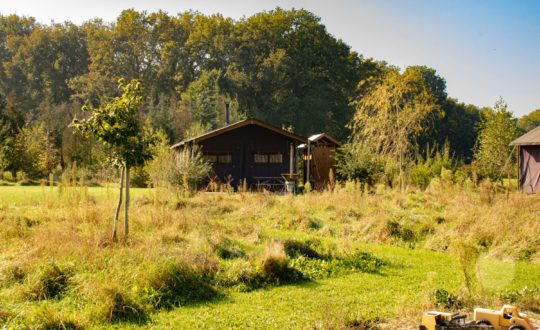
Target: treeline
280, 66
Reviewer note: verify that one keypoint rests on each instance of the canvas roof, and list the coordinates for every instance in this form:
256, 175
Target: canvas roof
530, 138
241, 123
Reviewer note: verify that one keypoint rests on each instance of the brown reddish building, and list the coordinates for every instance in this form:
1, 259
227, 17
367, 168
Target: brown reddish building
319, 155
528, 146
260, 154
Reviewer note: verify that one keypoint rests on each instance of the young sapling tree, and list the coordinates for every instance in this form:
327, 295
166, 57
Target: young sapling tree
116, 124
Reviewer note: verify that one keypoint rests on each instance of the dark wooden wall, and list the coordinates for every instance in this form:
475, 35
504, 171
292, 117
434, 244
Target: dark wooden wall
242, 143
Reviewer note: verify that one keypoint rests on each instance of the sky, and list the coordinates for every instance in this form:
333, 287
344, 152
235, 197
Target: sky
485, 49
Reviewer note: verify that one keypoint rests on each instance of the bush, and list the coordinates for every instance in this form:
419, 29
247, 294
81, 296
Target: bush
443, 298
139, 178
438, 163
358, 163
421, 175
8, 176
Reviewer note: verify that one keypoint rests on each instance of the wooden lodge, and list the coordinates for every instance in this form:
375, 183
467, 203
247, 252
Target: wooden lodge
263, 155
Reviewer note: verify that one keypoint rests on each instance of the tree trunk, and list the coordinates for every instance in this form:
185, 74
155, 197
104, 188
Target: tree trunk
117, 212
126, 207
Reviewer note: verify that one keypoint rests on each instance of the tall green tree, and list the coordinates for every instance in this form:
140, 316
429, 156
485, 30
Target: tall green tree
116, 124
529, 121
493, 157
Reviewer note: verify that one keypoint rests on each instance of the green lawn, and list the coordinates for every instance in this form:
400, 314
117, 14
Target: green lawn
29, 195
393, 297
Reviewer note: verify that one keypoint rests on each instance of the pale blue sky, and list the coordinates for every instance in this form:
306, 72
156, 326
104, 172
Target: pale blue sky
483, 48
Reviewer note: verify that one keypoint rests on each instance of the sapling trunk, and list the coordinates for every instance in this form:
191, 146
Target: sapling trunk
126, 206
117, 212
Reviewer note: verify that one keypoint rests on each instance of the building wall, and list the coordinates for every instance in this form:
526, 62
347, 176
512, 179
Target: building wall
242, 144
529, 168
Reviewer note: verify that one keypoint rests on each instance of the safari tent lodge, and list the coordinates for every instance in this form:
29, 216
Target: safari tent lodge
528, 147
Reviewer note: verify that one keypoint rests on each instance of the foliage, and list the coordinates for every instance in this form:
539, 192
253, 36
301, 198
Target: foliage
192, 167
445, 299
281, 66
392, 116
434, 164
116, 125
493, 157
139, 177
34, 152
358, 162
529, 121
162, 170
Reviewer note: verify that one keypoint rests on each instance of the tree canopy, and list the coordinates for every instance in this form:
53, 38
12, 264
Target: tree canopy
280, 66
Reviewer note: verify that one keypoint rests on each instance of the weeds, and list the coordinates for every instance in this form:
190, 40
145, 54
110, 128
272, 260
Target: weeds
175, 283
117, 306
189, 251
52, 282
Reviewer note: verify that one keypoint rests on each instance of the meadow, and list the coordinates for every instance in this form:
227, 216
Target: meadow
348, 258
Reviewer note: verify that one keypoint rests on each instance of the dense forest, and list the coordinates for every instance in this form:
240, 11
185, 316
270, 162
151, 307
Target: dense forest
280, 66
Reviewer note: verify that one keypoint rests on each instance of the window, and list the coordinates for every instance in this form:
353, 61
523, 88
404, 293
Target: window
211, 158
261, 158
268, 158
225, 159
275, 158
219, 159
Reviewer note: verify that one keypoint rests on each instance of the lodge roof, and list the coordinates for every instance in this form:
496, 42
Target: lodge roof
530, 138
241, 123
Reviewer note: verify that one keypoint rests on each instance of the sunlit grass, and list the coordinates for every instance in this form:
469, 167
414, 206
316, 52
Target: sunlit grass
227, 249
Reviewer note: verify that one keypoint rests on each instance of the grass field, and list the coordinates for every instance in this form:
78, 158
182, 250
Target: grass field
332, 260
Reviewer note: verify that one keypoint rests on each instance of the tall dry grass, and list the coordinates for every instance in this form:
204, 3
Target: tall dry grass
182, 249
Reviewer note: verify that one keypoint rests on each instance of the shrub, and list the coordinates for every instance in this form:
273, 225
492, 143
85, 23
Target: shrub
20, 176
8, 176
443, 298
192, 168
421, 175
307, 187
527, 297
438, 163
52, 282
357, 162
139, 177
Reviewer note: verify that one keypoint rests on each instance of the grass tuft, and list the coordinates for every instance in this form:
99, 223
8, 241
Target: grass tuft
52, 282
